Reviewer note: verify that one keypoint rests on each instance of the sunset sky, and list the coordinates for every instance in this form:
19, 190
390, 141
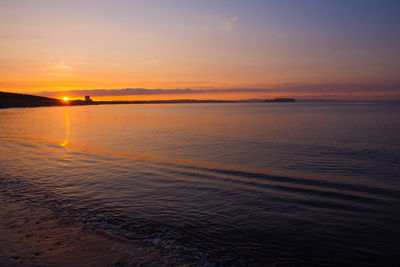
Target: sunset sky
311, 48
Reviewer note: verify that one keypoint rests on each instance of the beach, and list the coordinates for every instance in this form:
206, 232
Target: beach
31, 236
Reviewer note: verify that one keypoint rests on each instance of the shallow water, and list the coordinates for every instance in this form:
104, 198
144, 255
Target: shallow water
239, 184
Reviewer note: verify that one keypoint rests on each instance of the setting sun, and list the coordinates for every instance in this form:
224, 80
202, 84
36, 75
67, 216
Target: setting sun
65, 98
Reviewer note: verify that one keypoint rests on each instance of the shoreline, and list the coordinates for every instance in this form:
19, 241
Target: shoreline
13, 100
33, 236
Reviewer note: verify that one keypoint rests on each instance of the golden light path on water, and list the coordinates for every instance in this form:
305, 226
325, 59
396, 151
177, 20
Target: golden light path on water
67, 131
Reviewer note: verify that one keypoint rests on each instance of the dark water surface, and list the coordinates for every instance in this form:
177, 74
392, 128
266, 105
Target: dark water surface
239, 184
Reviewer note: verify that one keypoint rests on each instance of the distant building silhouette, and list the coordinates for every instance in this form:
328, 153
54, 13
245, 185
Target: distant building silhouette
88, 99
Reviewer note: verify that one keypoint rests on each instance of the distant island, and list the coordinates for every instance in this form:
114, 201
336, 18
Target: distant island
13, 100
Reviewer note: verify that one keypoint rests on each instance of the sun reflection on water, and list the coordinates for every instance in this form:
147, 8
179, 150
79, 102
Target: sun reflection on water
67, 130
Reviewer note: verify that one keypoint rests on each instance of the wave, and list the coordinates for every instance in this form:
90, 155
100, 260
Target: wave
187, 208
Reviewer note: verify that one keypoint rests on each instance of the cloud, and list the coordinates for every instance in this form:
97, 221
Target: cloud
287, 89
228, 26
142, 91
150, 62
62, 67
59, 66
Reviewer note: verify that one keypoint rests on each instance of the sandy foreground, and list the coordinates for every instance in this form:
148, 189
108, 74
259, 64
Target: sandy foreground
31, 236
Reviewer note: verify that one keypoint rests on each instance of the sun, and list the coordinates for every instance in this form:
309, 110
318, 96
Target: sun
65, 99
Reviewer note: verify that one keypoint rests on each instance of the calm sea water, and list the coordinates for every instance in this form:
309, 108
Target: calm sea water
238, 184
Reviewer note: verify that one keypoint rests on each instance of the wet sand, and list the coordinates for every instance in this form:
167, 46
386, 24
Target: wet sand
31, 236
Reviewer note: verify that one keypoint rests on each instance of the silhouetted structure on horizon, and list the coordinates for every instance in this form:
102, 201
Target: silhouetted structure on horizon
281, 99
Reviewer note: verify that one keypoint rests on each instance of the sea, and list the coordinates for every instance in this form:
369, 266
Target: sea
218, 184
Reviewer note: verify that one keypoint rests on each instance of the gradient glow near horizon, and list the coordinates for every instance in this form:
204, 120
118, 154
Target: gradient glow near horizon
54, 45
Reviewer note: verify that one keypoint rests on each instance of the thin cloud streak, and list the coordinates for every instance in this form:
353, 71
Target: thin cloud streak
150, 62
228, 27
294, 89
144, 91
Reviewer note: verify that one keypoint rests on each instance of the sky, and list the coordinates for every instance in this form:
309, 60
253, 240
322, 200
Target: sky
219, 49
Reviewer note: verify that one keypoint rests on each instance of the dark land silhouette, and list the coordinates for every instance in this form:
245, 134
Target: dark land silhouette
13, 100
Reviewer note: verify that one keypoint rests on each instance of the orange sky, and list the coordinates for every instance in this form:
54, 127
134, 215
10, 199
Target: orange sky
66, 45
